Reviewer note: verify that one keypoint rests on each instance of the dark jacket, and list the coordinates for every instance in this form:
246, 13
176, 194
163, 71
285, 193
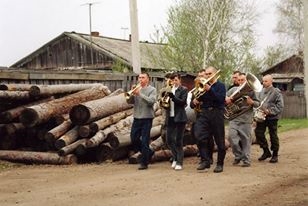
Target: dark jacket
179, 100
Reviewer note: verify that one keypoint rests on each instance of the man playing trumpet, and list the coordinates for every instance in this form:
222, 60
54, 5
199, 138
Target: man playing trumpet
143, 99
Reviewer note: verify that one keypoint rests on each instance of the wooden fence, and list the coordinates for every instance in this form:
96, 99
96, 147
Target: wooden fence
50, 77
295, 103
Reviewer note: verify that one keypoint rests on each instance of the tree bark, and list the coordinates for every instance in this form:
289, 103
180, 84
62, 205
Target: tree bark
71, 147
121, 138
53, 134
99, 137
38, 90
165, 155
68, 138
11, 114
14, 95
157, 144
42, 112
15, 87
106, 152
93, 110
107, 121
12, 128
36, 157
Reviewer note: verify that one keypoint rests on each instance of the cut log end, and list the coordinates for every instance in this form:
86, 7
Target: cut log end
49, 137
3, 87
79, 114
5, 117
93, 127
84, 131
60, 143
80, 150
34, 91
113, 140
29, 117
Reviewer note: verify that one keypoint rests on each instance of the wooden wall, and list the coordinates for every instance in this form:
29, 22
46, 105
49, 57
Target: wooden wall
66, 53
294, 105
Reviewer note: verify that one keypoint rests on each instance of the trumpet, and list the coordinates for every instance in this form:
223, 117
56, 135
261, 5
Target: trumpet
200, 83
130, 92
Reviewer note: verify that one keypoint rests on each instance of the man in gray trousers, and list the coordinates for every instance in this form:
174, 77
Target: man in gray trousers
240, 127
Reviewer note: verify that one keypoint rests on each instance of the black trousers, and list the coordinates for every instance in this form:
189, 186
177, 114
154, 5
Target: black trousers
209, 125
272, 129
175, 135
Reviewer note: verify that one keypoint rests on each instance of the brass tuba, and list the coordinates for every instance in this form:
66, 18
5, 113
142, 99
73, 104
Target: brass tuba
200, 83
130, 92
239, 96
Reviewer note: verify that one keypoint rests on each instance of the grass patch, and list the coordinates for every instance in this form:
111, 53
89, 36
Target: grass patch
291, 124
4, 165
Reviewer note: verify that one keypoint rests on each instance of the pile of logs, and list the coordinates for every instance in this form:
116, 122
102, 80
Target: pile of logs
72, 123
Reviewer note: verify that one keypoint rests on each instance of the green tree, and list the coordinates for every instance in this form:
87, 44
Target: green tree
273, 55
210, 32
290, 25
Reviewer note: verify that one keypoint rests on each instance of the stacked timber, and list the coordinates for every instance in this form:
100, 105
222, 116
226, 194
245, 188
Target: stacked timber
65, 124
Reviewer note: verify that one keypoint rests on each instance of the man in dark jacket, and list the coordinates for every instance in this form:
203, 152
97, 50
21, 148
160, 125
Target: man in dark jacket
176, 119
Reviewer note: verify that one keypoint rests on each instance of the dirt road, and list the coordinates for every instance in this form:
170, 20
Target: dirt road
283, 184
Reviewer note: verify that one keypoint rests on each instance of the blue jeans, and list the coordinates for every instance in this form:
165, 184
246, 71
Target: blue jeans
140, 137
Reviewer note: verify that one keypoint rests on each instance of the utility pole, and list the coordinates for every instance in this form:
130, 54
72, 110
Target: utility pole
90, 24
306, 53
135, 36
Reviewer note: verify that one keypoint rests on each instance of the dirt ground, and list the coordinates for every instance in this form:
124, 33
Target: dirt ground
119, 183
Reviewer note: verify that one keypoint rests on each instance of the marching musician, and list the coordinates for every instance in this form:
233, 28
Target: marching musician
143, 99
241, 126
162, 93
176, 119
210, 122
196, 105
272, 108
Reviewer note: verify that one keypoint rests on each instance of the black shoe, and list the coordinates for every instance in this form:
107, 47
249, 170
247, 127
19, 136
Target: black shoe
236, 161
266, 154
274, 159
142, 167
203, 165
218, 169
246, 164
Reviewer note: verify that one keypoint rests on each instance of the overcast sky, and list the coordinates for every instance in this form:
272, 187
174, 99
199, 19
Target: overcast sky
26, 25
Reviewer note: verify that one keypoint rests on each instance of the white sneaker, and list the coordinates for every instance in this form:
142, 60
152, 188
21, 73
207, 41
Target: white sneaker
173, 164
178, 167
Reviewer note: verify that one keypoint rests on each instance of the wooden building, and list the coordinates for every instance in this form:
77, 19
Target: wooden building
288, 75
80, 58
72, 50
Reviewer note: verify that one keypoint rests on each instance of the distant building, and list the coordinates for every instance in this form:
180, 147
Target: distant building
72, 50
288, 75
